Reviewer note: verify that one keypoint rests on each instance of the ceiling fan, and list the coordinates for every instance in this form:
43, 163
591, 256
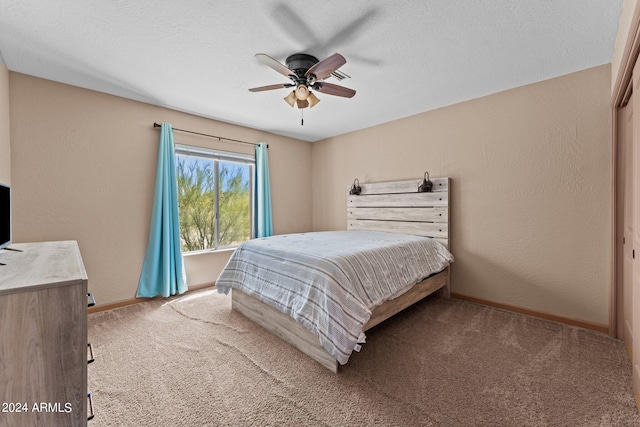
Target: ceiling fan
306, 73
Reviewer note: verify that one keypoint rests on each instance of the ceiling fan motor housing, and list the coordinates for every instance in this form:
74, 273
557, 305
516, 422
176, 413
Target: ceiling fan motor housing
299, 63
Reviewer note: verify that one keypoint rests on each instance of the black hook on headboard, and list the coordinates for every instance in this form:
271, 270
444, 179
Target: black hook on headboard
425, 186
355, 188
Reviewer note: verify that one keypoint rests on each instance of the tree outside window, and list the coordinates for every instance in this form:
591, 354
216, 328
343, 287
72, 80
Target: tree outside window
214, 201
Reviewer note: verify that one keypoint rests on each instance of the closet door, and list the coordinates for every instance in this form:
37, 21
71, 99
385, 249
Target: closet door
632, 230
624, 219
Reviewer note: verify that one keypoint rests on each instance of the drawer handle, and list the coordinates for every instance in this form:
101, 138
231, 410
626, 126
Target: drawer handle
92, 300
91, 414
90, 350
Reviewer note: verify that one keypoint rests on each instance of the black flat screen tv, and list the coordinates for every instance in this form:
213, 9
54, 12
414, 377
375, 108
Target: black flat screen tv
5, 216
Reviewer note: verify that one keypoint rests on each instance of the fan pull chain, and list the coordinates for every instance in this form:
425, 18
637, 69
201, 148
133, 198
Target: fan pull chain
302, 117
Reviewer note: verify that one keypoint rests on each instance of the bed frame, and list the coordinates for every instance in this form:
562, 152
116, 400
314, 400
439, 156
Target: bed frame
384, 206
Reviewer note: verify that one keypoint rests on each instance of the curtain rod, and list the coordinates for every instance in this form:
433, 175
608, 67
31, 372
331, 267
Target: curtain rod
220, 138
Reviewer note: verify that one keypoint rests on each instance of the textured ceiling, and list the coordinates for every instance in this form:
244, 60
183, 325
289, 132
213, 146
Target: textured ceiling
404, 56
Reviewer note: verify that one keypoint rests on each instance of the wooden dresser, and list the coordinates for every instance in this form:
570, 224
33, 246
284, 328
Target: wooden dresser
43, 335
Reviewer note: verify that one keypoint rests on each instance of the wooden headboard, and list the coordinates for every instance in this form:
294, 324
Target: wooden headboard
397, 207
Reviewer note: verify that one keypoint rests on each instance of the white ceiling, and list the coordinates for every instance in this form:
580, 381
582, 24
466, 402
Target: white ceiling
404, 56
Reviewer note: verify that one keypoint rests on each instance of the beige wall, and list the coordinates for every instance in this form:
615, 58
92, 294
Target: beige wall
530, 171
84, 167
5, 134
530, 188
628, 9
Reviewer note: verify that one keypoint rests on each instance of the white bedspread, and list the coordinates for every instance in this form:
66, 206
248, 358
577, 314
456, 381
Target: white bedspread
331, 281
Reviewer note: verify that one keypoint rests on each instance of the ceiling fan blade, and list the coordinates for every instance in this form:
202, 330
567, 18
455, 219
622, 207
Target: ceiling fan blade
331, 89
269, 61
324, 68
303, 103
294, 26
270, 87
353, 30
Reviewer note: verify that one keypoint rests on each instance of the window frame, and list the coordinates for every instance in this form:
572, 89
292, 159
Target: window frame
217, 156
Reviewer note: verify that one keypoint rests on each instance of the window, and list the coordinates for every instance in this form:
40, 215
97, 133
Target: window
215, 198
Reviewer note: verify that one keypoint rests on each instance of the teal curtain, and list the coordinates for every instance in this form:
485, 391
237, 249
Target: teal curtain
162, 271
263, 221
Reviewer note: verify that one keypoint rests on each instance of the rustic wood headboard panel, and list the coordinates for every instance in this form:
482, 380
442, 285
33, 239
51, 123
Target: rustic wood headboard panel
397, 207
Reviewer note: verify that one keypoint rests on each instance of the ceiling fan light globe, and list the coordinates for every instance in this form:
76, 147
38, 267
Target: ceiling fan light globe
313, 100
291, 98
302, 92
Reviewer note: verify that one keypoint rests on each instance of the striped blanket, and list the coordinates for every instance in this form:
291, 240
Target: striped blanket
331, 281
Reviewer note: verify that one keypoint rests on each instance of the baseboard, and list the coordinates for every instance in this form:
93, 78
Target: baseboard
517, 309
629, 349
599, 327
124, 303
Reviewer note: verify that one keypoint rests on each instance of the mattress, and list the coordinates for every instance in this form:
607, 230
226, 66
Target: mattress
331, 281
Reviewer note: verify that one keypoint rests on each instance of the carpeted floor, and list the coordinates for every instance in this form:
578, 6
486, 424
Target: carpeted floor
191, 361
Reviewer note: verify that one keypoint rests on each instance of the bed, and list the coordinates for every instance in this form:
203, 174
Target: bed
321, 291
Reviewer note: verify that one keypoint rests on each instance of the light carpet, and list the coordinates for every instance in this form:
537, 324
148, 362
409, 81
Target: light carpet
192, 361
